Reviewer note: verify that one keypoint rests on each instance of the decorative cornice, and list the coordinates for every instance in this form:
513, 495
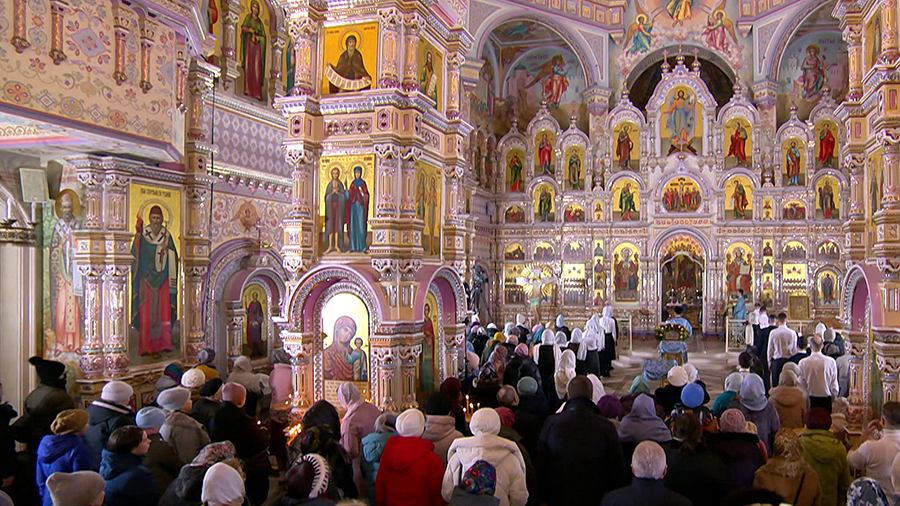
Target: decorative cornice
266, 115
10, 235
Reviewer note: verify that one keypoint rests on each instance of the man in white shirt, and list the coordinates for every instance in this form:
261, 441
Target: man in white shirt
875, 458
763, 317
782, 345
820, 374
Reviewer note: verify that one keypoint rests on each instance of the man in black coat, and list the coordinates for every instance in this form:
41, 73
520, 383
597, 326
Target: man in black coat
249, 438
208, 404
579, 455
648, 487
108, 413
760, 349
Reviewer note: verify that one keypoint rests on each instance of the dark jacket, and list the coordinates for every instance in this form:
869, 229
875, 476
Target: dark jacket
187, 488
41, 407
530, 415
203, 410
7, 441
741, 455
643, 491
163, 462
579, 457
410, 474
128, 483
524, 333
669, 396
63, 454
231, 423
697, 474
519, 367
106, 417
284, 500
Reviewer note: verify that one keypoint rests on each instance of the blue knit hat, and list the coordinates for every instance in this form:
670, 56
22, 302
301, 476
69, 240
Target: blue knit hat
150, 418
692, 396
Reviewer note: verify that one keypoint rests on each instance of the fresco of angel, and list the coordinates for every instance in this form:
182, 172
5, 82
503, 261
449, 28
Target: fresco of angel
718, 28
639, 32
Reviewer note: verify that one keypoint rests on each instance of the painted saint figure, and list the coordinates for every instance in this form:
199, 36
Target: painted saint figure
358, 212
350, 65
255, 321
420, 196
718, 28
552, 76
737, 148
253, 51
792, 164
813, 76
335, 212
738, 272
826, 200
680, 10
429, 80
626, 279
336, 359
432, 227
575, 171
624, 144
154, 284
626, 202
545, 205
426, 358
545, 155
739, 199
515, 171
359, 361
828, 288
65, 278
826, 147
639, 32
680, 117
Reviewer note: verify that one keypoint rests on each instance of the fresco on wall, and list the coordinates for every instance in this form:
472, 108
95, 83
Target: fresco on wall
515, 214
599, 275
428, 206
350, 55
828, 250
256, 331
827, 284
544, 159
154, 330
680, 120
826, 144
288, 69
544, 203
812, 63
573, 252
63, 287
514, 252
626, 273
681, 195
428, 359
873, 41
345, 186
254, 46
768, 209
549, 73
828, 197
739, 198
573, 284
626, 146
626, 200
573, 161
793, 250
544, 252
739, 140
345, 345
512, 291
794, 210
431, 66
738, 270
793, 161
598, 211
515, 174
574, 214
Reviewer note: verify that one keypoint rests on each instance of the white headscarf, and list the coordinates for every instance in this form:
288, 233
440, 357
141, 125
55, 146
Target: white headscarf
593, 335
507, 329
598, 390
520, 319
692, 372
560, 321
608, 323
565, 371
577, 334
222, 485
578, 337
348, 394
549, 338
820, 330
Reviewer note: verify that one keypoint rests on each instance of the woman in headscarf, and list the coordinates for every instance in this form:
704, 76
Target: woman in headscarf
547, 356
372, 448
536, 338
496, 339
751, 328
359, 422
756, 408
519, 366
561, 327
788, 474
579, 348
490, 379
866, 492
790, 401
565, 371
639, 385
610, 330
670, 395
732, 387
206, 362
453, 388
593, 341
598, 390
738, 450
642, 423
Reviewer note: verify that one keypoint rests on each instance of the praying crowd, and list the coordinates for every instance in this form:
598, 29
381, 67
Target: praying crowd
527, 422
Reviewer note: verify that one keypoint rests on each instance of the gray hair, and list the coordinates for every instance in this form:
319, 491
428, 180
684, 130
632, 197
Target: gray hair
816, 343
649, 461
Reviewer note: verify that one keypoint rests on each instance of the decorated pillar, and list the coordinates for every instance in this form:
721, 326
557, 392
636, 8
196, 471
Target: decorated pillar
384, 364
89, 261
852, 34
765, 99
115, 275
299, 229
20, 26
395, 177
121, 24
231, 16
390, 20
409, 373
857, 344
148, 31
296, 345
235, 323
887, 224
890, 46
454, 336
57, 10
276, 81
412, 23
455, 61
304, 27
20, 305
888, 361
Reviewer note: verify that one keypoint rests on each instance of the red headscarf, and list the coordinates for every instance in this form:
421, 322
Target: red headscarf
452, 387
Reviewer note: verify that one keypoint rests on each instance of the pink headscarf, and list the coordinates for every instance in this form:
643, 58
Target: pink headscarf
507, 416
522, 349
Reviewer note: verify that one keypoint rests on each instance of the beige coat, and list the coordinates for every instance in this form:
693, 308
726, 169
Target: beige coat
441, 430
186, 435
772, 477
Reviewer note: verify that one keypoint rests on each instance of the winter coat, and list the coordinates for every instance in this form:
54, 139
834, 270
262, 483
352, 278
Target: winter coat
501, 453
669, 396
203, 410
800, 490
280, 384
208, 371
372, 448
358, 422
766, 420
410, 474
186, 435
231, 423
828, 457
698, 474
7, 441
64, 454
128, 482
579, 457
740, 453
41, 407
441, 430
645, 491
790, 402
187, 488
531, 481
243, 374
163, 462
106, 417
519, 367
530, 415
722, 402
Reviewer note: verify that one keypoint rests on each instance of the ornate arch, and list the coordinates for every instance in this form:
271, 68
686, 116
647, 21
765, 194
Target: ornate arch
841, 178
706, 191
456, 285
784, 37
738, 171
334, 275
440, 344
656, 58
672, 233
851, 280
626, 174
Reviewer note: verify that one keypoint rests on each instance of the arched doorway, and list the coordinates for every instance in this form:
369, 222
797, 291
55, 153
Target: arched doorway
682, 265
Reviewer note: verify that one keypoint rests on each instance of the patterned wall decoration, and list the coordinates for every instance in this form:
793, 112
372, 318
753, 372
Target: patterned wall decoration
82, 86
244, 142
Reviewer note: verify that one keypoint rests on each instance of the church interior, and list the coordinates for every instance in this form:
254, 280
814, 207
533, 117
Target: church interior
352, 181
